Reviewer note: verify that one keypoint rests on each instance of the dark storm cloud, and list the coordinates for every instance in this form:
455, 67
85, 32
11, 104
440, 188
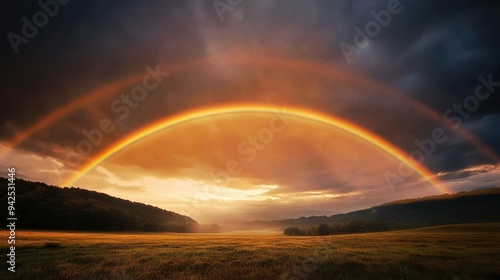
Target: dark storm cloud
85, 45
434, 51
465, 173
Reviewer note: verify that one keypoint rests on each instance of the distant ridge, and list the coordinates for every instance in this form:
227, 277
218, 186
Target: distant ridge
40, 206
478, 206
446, 196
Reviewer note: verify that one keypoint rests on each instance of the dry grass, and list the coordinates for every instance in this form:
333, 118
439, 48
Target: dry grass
449, 252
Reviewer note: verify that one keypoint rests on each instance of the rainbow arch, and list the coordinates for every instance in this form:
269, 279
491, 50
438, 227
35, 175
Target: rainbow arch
204, 112
252, 59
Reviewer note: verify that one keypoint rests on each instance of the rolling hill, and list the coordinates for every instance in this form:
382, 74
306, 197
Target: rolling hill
479, 206
39, 206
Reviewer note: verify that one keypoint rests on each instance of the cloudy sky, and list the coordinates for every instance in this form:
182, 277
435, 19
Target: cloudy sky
78, 77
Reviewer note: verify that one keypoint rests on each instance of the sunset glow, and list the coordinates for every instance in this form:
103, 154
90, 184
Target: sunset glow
207, 112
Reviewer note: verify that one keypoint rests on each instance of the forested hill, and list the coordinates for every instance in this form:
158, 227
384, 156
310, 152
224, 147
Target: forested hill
39, 206
463, 207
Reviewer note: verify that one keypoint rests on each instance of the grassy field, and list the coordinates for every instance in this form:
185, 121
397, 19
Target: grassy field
446, 252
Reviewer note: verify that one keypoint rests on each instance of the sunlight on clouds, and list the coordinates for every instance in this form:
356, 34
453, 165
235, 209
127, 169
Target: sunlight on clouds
182, 189
303, 196
32, 166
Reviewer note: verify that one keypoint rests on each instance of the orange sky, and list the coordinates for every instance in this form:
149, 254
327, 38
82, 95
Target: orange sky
303, 166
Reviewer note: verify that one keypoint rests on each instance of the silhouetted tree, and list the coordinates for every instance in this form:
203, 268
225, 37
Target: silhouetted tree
294, 231
323, 229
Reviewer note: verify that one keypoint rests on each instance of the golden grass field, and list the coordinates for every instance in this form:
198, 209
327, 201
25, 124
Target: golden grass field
447, 252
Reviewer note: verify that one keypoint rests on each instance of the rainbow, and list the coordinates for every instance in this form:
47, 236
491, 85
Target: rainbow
251, 59
206, 112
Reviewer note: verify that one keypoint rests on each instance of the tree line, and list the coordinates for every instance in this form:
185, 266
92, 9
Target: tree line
39, 206
337, 228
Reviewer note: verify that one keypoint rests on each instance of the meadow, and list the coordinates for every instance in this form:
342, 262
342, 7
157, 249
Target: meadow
470, 251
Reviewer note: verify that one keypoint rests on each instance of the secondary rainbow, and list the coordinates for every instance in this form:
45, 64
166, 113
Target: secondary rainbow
253, 59
205, 112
